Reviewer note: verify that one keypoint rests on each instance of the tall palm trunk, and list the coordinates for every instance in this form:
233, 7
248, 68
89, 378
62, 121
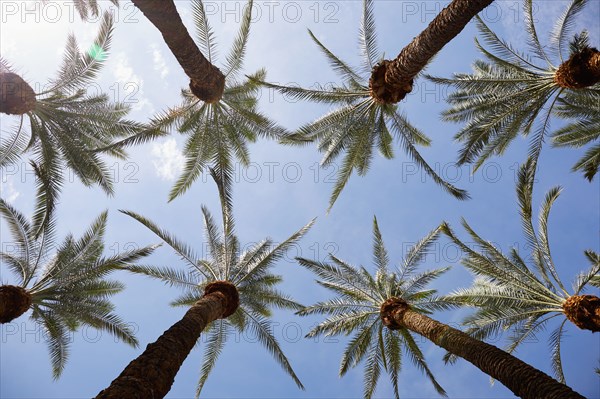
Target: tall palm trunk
14, 301
583, 311
152, 373
16, 95
206, 80
392, 80
523, 380
581, 70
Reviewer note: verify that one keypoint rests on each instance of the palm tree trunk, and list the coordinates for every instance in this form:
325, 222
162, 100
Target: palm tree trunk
151, 374
206, 80
523, 380
14, 301
16, 95
392, 80
583, 311
581, 70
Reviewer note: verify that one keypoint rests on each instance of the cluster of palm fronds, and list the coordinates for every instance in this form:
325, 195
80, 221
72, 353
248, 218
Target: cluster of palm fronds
511, 93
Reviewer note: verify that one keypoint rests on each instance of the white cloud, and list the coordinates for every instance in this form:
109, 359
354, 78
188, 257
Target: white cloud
131, 86
160, 65
8, 190
168, 159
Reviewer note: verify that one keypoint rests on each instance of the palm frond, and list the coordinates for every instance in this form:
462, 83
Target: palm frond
80, 69
534, 42
393, 347
419, 252
350, 77
321, 96
555, 345
170, 276
235, 58
58, 340
358, 346
418, 359
591, 276
261, 327
380, 255
48, 189
12, 148
204, 33
368, 38
564, 25
372, 368
180, 248
401, 127
21, 231
256, 269
215, 341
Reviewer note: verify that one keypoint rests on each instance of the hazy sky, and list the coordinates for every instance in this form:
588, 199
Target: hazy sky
282, 190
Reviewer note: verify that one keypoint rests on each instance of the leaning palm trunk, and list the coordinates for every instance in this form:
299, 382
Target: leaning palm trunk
14, 302
392, 80
152, 373
522, 379
206, 80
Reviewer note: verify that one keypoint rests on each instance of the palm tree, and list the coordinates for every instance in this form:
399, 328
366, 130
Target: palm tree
228, 291
217, 130
68, 290
511, 295
207, 82
392, 80
362, 122
66, 123
398, 300
512, 93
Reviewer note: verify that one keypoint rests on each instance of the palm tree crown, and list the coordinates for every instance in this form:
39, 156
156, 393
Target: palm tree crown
248, 272
68, 289
362, 123
512, 93
510, 294
67, 125
357, 310
221, 130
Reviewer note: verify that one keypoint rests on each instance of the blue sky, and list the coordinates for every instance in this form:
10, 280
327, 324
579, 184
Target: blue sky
282, 190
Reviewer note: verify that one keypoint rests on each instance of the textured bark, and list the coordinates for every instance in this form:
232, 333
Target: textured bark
206, 80
14, 301
581, 70
391, 81
16, 96
523, 380
583, 311
151, 375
